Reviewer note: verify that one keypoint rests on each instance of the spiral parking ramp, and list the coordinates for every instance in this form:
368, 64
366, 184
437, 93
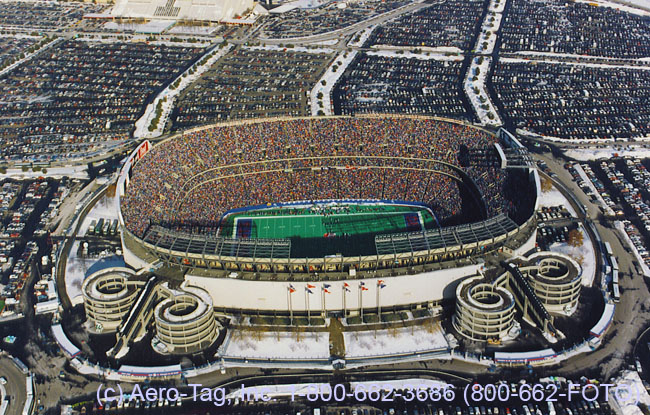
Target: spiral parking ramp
108, 296
484, 310
185, 322
556, 280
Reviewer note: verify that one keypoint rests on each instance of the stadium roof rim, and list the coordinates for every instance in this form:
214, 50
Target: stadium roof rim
290, 118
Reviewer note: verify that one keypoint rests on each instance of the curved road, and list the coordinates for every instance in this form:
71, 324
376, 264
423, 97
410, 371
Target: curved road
630, 317
15, 386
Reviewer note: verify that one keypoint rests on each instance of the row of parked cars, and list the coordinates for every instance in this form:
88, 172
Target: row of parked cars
610, 208
548, 213
13, 290
631, 194
640, 178
19, 218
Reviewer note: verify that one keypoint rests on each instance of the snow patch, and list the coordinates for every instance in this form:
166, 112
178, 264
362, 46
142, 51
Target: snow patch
275, 345
627, 403
360, 38
482, 98
555, 198
583, 254
395, 341
330, 77
588, 154
407, 54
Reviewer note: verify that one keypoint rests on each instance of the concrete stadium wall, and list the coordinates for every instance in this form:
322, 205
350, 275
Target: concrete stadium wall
426, 287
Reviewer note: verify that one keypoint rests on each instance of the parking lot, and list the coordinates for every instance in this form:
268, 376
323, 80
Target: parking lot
12, 47
561, 26
452, 23
82, 97
381, 84
46, 15
573, 102
251, 83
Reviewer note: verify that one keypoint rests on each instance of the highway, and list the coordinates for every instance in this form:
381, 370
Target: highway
338, 34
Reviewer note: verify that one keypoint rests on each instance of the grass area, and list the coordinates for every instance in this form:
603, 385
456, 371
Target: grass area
327, 221
2, 306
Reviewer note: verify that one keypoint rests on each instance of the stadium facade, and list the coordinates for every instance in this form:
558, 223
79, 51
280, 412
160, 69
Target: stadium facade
201, 10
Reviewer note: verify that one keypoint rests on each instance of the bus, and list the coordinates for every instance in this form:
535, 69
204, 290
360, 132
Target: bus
617, 293
614, 263
608, 249
100, 227
615, 277
113, 230
91, 228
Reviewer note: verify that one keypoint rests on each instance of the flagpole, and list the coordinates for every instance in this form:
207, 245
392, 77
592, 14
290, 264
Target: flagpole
322, 293
344, 308
290, 307
378, 304
361, 301
308, 311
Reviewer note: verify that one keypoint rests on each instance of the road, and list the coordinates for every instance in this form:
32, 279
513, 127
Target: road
15, 386
630, 319
338, 34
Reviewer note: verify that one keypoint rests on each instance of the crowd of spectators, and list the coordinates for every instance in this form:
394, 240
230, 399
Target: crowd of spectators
251, 83
78, 94
573, 27
381, 84
573, 102
324, 19
452, 23
197, 177
48, 15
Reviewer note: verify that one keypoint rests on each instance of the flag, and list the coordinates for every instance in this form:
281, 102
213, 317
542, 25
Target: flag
291, 289
346, 286
380, 282
382, 285
326, 290
326, 285
308, 290
311, 286
361, 285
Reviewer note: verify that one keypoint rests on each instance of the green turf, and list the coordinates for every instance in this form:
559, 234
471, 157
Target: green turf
2, 305
306, 223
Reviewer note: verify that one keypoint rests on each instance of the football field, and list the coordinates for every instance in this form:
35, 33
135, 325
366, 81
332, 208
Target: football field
330, 221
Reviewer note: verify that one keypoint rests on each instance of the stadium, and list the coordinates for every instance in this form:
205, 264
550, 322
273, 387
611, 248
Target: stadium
253, 212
